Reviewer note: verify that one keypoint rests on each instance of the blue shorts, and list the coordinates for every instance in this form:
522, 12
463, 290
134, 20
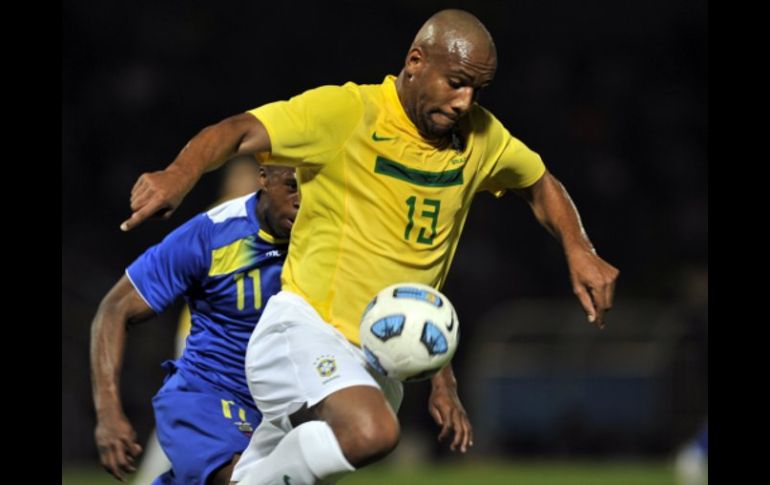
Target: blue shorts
199, 427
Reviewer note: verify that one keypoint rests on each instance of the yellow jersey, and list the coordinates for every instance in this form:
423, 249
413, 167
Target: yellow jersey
379, 204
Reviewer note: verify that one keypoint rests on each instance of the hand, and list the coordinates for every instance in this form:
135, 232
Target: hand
593, 282
116, 442
447, 410
157, 194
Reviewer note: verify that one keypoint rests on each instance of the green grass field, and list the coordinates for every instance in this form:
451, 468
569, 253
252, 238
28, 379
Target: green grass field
538, 473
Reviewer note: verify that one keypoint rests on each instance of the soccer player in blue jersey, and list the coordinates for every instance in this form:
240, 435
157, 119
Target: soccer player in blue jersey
226, 263
240, 177
388, 173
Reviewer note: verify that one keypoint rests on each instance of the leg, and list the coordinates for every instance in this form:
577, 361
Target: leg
222, 475
200, 430
298, 366
362, 421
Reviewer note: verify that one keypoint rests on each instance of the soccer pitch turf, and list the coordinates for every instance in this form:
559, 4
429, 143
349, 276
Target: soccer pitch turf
537, 473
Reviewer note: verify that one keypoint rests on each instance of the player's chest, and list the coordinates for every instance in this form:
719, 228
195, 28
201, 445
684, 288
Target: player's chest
387, 166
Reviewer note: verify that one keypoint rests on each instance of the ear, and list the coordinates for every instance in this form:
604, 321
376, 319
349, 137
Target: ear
263, 178
415, 61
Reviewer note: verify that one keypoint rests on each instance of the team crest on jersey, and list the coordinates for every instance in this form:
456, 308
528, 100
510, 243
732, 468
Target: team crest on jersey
245, 427
326, 365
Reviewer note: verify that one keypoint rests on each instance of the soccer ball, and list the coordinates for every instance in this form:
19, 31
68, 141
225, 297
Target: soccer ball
409, 331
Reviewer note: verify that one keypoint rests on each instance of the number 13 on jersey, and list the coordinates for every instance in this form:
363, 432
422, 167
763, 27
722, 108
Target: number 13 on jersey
428, 214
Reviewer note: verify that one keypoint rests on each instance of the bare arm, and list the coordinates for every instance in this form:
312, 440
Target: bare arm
161, 192
447, 410
115, 437
593, 279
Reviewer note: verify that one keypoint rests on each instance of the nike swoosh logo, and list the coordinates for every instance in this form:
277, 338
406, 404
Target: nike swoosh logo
451, 324
382, 138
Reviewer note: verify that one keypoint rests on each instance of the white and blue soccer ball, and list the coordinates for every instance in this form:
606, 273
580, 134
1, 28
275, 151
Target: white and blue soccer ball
409, 331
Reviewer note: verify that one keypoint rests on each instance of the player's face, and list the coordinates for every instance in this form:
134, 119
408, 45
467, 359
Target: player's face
282, 202
445, 87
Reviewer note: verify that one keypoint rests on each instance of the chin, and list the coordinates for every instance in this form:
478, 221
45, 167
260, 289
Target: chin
285, 233
435, 131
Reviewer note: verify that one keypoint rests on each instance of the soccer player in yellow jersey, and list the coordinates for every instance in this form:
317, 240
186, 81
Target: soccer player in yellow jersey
387, 175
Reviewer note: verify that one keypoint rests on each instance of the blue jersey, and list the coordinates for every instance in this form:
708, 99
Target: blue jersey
226, 268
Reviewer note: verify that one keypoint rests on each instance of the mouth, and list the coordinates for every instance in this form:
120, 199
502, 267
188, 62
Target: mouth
443, 119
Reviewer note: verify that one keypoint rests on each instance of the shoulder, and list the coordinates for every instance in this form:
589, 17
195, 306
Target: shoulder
231, 220
333, 96
482, 120
231, 209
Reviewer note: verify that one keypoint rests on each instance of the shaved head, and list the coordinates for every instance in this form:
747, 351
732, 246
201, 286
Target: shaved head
451, 60
456, 33
275, 171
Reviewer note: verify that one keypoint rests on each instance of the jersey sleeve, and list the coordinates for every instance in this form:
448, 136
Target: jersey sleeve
168, 269
513, 166
309, 129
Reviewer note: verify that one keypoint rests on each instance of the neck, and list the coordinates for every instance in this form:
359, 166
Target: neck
261, 211
402, 96
440, 142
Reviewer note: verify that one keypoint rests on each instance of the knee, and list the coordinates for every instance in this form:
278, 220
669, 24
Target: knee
369, 438
363, 422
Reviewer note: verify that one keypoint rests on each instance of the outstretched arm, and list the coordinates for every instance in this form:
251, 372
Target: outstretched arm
593, 279
161, 192
115, 437
447, 410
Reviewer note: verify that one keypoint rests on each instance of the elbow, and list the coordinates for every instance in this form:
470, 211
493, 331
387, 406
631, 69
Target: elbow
112, 309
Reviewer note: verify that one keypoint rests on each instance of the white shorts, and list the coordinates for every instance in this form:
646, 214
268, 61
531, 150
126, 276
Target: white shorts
295, 358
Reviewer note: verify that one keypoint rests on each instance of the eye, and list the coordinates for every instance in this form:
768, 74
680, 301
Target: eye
455, 83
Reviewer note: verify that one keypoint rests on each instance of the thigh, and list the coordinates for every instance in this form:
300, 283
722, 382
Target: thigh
200, 430
392, 388
295, 359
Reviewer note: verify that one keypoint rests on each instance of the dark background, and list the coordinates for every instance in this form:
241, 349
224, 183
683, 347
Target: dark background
613, 95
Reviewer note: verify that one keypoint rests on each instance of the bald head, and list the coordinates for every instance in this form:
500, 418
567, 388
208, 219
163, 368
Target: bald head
451, 60
458, 34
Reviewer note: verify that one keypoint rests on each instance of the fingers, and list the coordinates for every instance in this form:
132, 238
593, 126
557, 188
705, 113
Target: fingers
149, 197
445, 429
111, 462
463, 431
140, 184
460, 433
142, 214
140, 198
439, 418
119, 458
611, 287
603, 294
130, 450
107, 458
454, 421
433, 410
587, 302
136, 449
598, 297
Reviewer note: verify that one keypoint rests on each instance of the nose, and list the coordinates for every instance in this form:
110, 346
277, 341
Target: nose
462, 101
